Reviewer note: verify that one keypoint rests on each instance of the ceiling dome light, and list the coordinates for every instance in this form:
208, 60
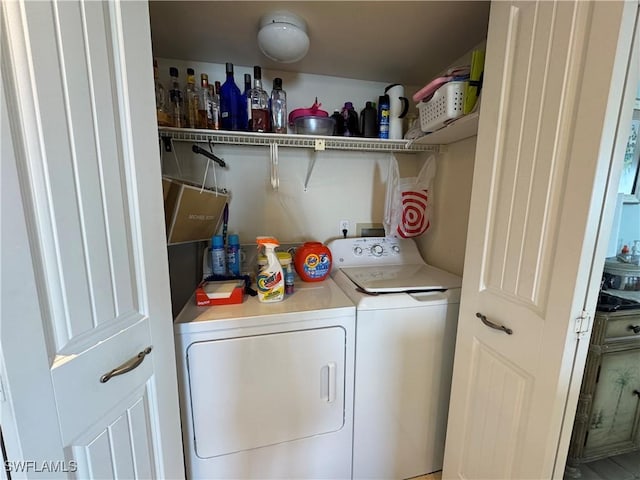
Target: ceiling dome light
283, 37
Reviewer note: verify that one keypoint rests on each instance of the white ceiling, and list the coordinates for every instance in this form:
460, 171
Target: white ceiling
385, 41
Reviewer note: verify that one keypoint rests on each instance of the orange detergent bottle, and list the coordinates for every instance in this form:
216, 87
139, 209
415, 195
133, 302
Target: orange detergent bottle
313, 261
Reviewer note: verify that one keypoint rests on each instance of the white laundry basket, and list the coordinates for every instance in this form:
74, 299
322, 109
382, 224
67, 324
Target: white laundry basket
446, 104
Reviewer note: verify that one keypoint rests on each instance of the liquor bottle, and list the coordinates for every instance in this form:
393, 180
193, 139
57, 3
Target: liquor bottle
215, 105
230, 102
205, 117
259, 103
161, 99
175, 97
278, 104
246, 104
191, 100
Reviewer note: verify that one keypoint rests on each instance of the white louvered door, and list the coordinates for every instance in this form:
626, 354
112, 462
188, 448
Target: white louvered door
551, 101
77, 80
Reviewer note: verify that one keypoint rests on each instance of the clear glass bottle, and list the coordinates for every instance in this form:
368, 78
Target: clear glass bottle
278, 104
230, 102
176, 100
204, 105
259, 103
245, 101
161, 99
215, 105
191, 100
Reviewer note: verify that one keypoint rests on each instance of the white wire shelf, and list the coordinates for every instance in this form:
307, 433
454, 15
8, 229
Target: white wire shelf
292, 140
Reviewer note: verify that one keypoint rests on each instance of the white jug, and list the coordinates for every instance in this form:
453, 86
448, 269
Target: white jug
398, 107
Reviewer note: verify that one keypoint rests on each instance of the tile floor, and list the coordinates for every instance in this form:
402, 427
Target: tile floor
620, 467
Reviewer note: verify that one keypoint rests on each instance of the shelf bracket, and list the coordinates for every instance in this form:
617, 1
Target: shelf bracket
273, 159
312, 163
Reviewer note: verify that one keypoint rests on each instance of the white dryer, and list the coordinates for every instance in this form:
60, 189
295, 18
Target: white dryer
406, 318
266, 390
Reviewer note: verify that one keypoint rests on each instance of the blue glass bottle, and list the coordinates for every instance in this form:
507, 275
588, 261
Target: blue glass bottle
230, 102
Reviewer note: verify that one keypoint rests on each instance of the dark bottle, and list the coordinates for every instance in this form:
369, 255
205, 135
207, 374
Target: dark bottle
369, 121
230, 102
246, 105
338, 127
352, 127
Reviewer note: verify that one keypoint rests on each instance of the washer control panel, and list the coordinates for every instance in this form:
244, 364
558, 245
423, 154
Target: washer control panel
373, 251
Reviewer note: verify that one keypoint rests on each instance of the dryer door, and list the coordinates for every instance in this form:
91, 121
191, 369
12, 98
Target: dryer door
250, 392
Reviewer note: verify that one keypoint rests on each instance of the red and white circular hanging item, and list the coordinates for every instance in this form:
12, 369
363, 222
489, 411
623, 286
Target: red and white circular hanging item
414, 218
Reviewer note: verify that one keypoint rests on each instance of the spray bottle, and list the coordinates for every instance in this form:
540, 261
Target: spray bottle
270, 281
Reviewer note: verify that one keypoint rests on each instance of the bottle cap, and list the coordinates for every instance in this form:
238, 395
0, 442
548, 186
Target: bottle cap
277, 83
257, 72
348, 105
173, 71
234, 239
228, 68
368, 105
217, 241
190, 71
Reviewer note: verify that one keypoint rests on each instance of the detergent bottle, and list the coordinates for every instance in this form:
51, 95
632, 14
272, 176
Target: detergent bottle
270, 281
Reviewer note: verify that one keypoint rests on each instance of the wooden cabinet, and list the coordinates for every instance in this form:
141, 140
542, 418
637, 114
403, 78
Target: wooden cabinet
608, 414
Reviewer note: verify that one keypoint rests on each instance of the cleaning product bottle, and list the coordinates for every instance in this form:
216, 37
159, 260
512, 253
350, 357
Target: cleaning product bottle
270, 281
233, 255
218, 257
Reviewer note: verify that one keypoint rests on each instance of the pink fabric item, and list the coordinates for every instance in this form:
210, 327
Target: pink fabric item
428, 90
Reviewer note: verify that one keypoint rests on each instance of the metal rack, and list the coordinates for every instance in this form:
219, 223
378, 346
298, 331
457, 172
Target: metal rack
318, 143
275, 140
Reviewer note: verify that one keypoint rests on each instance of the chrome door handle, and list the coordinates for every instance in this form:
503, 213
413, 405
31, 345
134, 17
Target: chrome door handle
126, 366
495, 326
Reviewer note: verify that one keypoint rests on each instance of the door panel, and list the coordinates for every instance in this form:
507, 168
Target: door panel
83, 126
83, 373
251, 392
121, 450
541, 175
83, 170
495, 415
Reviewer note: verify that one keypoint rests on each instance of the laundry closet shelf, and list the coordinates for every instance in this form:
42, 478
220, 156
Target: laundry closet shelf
292, 140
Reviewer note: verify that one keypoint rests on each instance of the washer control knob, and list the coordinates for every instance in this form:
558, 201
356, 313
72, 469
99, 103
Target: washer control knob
357, 250
396, 249
377, 250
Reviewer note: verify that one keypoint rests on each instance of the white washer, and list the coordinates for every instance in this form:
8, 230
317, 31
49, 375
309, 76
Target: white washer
406, 318
266, 390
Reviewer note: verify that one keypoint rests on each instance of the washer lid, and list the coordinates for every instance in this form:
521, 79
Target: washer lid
401, 278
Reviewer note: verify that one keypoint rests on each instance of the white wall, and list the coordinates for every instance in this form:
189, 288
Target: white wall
302, 89
344, 185
444, 245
